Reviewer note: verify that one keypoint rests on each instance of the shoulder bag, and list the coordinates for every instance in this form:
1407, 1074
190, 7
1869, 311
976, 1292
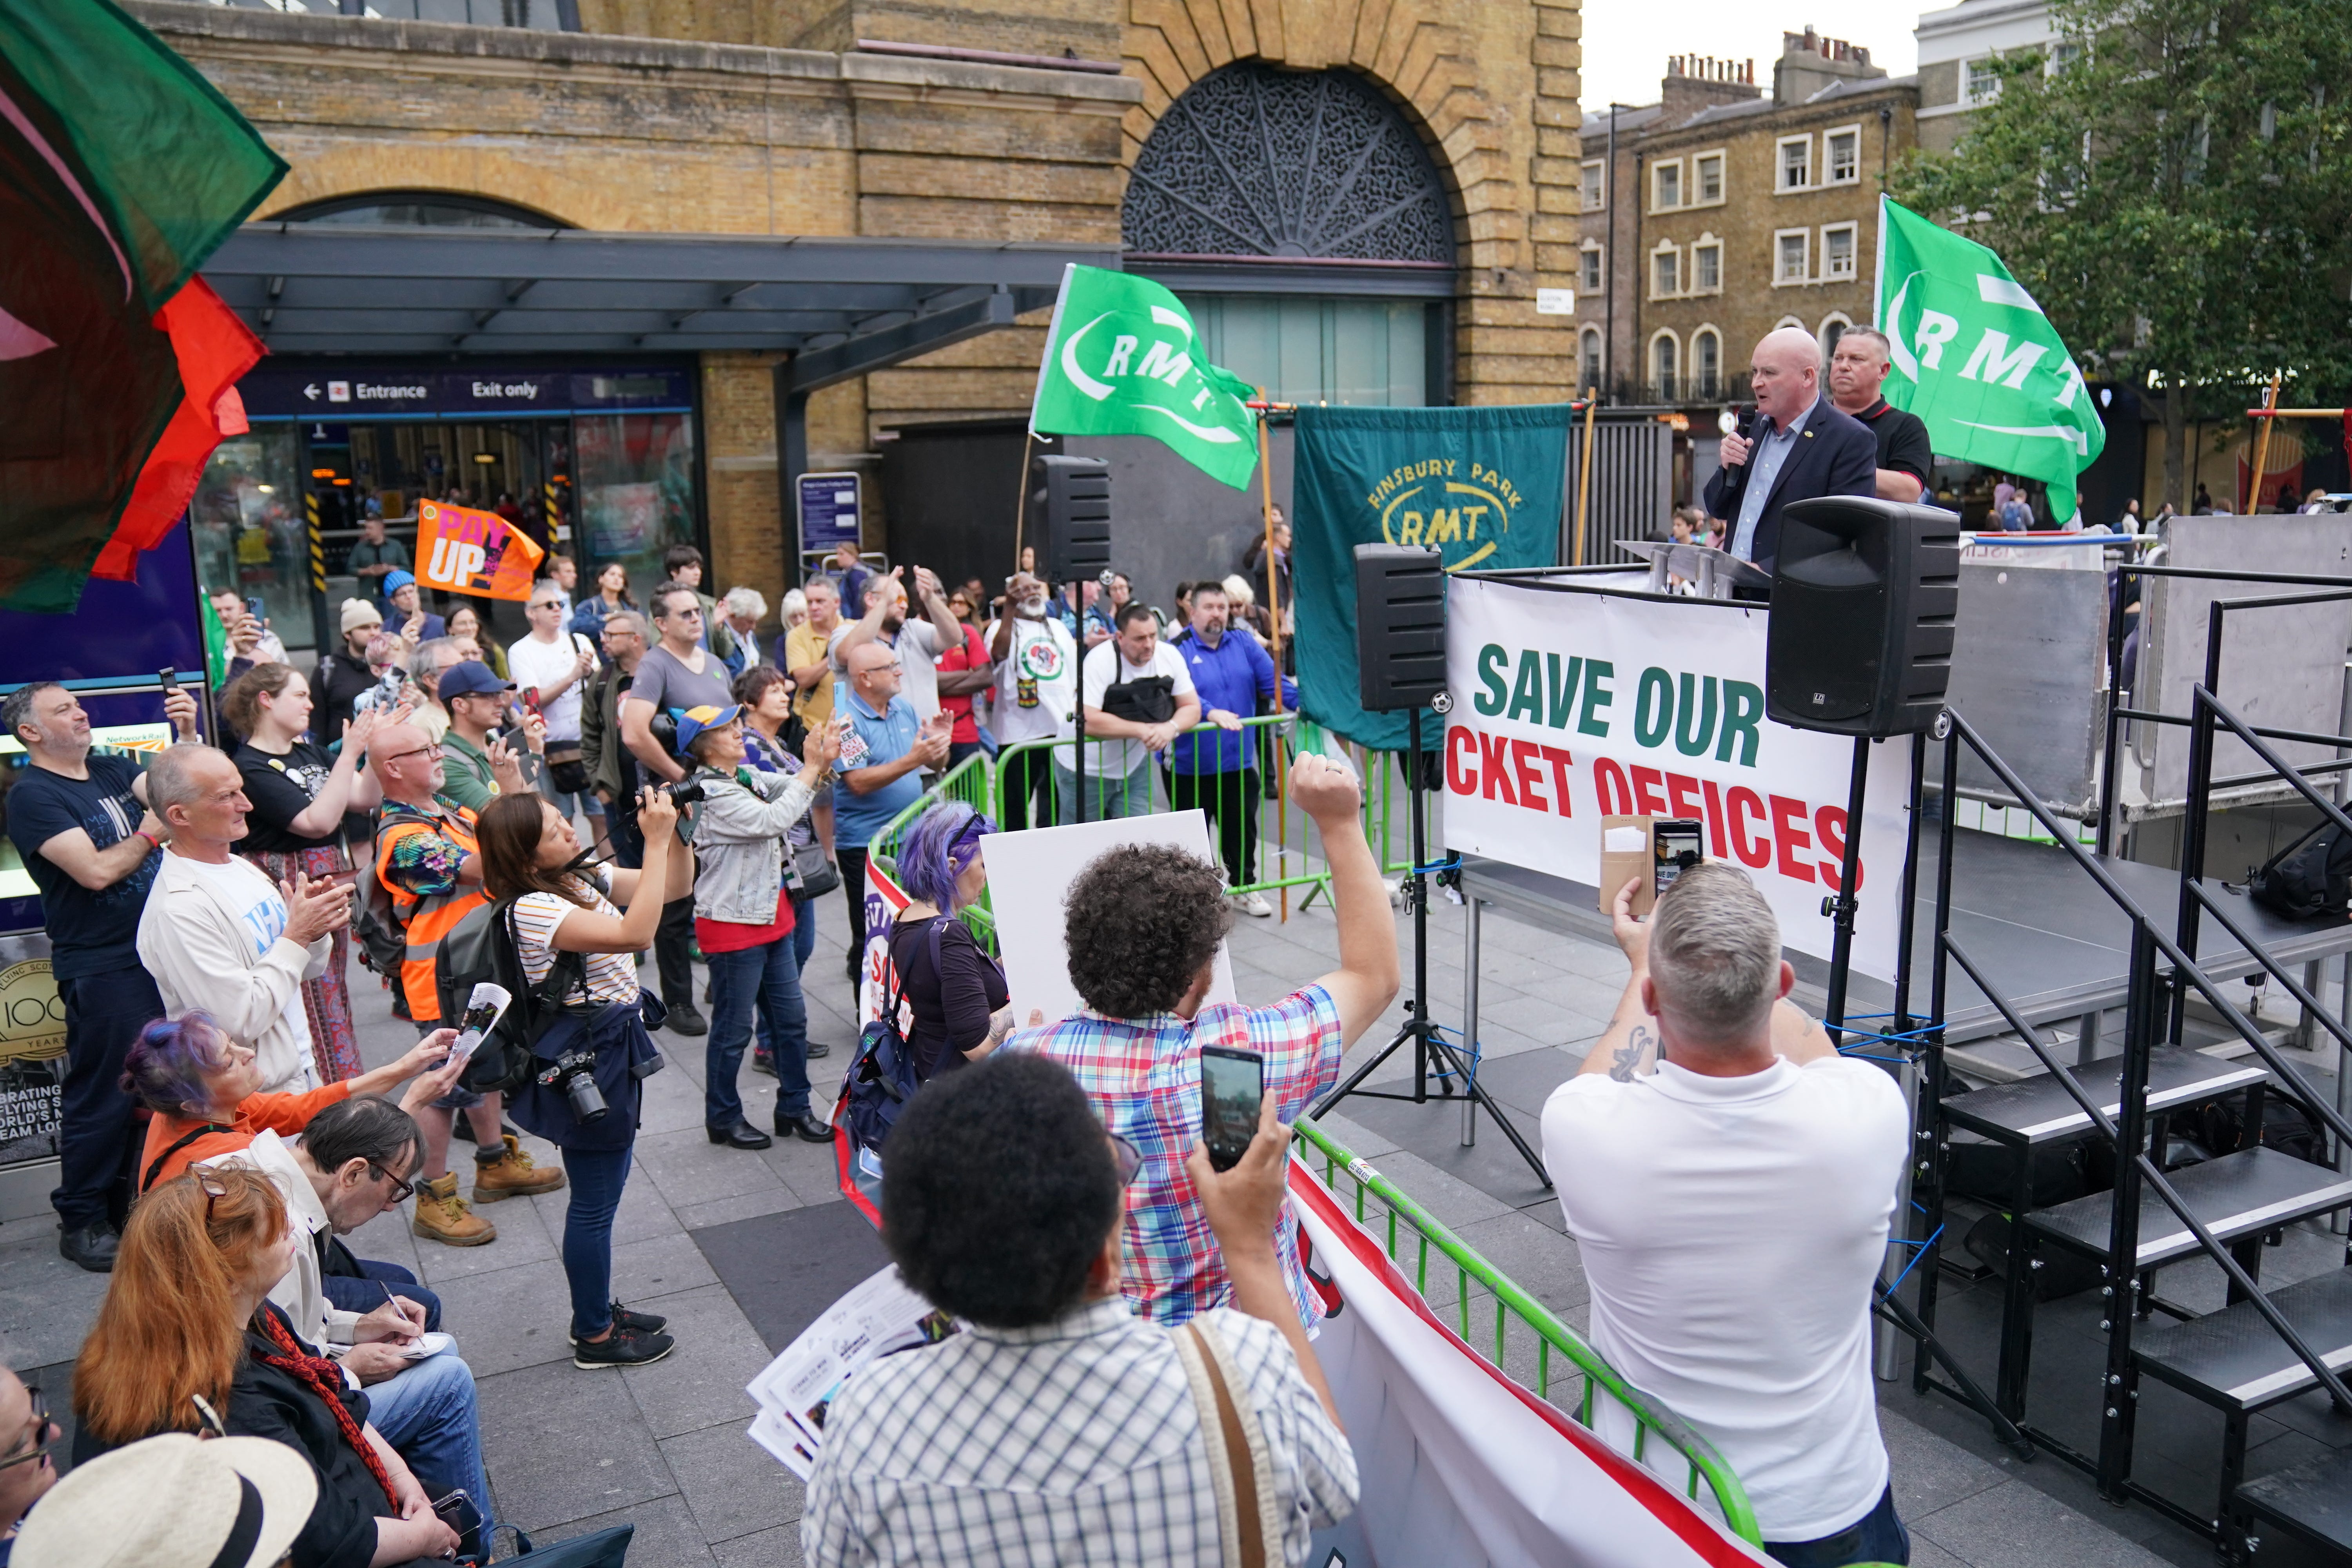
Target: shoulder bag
1249, 1516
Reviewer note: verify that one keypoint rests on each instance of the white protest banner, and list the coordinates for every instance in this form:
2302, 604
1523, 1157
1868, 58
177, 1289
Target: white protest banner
1569, 707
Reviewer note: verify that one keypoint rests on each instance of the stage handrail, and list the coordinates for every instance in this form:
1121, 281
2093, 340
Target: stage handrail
1649, 1415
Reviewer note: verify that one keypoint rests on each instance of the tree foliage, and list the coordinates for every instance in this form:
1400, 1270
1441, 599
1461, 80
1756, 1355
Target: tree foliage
2173, 181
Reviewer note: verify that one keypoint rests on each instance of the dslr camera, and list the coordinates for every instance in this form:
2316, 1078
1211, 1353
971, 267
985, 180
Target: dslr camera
574, 1073
685, 791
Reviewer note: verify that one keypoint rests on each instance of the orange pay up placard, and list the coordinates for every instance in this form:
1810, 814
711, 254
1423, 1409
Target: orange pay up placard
462, 551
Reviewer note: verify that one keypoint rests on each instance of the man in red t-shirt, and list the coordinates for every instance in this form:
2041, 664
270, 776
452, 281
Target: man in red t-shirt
962, 672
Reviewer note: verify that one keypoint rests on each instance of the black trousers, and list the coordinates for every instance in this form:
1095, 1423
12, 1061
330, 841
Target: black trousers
98, 1144
673, 938
853, 888
1028, 793
1231, 800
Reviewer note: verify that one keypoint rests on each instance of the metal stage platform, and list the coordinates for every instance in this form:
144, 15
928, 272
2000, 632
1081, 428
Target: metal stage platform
2054, 945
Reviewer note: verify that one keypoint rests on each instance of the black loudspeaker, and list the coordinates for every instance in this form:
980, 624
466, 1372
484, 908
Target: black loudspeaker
1400, 626
1070, 499
1865, 594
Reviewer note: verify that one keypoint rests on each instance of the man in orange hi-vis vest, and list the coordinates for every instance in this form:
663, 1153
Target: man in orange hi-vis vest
426, 859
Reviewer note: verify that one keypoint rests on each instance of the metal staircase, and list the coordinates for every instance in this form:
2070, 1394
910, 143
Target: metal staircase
2262, 1348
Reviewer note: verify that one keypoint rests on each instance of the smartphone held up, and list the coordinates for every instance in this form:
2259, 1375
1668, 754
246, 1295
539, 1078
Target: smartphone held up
1232, 1086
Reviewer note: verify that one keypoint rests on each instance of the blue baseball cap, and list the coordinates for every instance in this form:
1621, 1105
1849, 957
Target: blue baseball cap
471, 677
695, 721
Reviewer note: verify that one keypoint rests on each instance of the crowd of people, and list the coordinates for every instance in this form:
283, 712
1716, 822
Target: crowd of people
682, 781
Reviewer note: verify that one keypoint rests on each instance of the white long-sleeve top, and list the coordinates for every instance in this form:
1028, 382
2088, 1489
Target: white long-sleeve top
213, 936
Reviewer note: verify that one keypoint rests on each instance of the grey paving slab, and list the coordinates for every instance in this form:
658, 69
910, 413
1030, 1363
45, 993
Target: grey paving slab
1537, 1258
667, 1535
1930, 1472
2015, 1526
806, 1168
777, 1548
1354, 1136
734, 1486
564, 1445
46, 1304
667, 1265
1926, 1553
747, 1205
688, 1168
701, 1383
1540, 1018
511, 1319
644, 1213
521, 1238
1454, 1202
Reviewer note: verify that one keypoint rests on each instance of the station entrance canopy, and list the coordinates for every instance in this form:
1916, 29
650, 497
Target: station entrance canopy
839, 307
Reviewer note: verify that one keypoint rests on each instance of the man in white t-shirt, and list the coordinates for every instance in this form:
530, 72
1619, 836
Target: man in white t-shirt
1035, 692
1138, 699
1730, 1179
918, 642
557, 664
218, 936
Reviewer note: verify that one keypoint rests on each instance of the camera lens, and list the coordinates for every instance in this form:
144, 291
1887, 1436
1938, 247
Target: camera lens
685, 791
587, 1100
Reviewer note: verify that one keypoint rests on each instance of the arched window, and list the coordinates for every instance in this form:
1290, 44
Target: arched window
1834, 326
1706, 364
428, 209
1591, 358
1255, 162
1666, 360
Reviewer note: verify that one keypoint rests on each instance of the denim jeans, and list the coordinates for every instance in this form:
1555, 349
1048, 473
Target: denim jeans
804, 944
427, 1414
597, 1176
366, 1294
765, 980
1107, 795
98, 1146
1877, 1536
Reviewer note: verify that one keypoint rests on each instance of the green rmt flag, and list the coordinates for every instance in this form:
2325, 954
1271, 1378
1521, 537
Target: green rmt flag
1977, 361
1121, 360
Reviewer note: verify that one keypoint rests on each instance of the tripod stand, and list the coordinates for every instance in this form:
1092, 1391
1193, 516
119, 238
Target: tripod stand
1417, 1027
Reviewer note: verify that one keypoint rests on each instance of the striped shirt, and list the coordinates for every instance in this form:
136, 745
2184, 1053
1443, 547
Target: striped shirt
1144, 1076
1075, 1442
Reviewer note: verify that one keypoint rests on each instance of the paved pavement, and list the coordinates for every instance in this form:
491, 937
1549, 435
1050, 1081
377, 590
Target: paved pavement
662, 1446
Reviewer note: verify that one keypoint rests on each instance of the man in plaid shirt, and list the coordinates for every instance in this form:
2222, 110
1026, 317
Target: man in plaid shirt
1143, 925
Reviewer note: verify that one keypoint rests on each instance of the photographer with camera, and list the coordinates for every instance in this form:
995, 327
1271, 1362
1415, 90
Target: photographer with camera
743, 918
585, 1094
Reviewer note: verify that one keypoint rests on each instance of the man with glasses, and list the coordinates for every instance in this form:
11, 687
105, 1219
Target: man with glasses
27, 1472
354, 1162
679, 675
884, 751
613, 777
553, 666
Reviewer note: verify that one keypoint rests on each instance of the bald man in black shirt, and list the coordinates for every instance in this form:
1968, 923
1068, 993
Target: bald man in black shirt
1857, 369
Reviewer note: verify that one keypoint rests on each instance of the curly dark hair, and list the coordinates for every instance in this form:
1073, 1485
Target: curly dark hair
998, 1192
1139, 922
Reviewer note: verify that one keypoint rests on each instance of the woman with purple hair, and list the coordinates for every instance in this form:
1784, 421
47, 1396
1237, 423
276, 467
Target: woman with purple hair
954, 990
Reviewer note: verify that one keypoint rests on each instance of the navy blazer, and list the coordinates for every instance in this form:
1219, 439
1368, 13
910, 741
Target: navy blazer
1836, 454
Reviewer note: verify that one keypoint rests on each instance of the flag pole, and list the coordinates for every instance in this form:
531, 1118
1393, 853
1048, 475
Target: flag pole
2262, 448
1021, 501
1584, 470
1274, 619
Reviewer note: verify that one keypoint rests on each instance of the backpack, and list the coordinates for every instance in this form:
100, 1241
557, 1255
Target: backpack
881, 1078
383, 944
2309, 878
483, 946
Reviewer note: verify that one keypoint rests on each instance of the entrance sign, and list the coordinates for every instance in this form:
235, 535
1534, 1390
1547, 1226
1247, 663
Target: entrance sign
832, 511
1569, 707
461, 551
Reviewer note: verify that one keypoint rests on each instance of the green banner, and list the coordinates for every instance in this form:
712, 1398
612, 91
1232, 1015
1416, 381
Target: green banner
1119, 362
1481, 485
1977, 361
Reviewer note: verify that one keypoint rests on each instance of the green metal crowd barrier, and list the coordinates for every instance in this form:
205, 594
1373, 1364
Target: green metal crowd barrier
1399, 1222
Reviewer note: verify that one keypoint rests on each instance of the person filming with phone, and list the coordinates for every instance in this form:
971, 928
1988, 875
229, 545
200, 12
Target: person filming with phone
1143, 927
1797, 447
1729, 1181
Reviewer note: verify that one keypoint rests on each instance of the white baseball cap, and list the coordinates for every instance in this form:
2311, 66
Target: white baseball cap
173, 1501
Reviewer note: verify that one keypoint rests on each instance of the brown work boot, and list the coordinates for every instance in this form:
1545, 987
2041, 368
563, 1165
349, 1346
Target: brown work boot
513, 1175
443, 1217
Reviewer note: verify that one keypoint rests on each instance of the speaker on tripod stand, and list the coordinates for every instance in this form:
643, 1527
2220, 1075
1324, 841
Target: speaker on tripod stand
1400, 667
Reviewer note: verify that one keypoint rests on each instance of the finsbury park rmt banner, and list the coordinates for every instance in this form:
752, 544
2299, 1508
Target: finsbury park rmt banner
1569, 707
1481, 485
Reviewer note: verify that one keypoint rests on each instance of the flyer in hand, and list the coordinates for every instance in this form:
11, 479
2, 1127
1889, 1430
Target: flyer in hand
881, 1317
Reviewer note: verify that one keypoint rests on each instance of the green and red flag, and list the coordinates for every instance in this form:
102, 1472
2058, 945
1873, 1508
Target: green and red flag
120, 170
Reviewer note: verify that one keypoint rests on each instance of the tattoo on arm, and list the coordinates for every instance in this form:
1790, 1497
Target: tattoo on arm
1632, 1055
999, 1023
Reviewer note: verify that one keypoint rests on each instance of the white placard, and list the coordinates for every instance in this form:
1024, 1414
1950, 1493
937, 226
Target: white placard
1571, 707
1555, 302
1030, 872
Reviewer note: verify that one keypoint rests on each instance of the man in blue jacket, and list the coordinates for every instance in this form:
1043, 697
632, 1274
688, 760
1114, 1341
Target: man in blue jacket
1217, 771
1797, 447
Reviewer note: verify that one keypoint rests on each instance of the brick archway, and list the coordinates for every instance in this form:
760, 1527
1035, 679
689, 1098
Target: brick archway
345, 170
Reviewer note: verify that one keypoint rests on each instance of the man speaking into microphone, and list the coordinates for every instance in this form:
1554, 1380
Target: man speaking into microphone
1797, 447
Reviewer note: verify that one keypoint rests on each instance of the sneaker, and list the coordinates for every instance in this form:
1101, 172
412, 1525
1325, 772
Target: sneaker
1253, 904
625, 1346
636, 1323
763, 1062
443, 1217
684, 1020
89, 1246
513, 1174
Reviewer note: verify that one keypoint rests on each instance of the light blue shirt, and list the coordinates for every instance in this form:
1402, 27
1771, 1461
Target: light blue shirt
1764, 471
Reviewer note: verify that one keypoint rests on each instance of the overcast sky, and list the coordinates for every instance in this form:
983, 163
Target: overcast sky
1626, 42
